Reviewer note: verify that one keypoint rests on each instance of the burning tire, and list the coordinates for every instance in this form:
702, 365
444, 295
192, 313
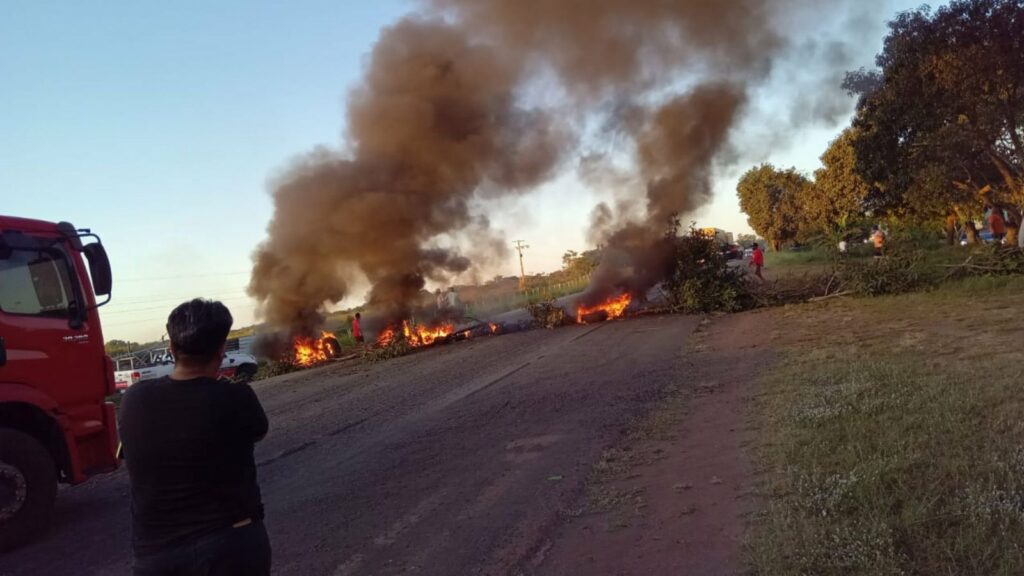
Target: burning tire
28, 487
332, 347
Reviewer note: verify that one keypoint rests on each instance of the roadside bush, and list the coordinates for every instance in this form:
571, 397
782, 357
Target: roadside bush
702, 280
345, 339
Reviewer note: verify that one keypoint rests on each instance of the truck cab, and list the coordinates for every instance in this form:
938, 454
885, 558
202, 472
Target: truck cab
55, 422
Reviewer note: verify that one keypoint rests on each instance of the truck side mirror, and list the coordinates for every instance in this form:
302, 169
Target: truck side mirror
99, 268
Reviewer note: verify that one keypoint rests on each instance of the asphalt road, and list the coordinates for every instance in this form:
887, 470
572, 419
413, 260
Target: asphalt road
462, 459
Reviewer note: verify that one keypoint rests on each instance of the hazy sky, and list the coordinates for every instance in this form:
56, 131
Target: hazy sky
158, 124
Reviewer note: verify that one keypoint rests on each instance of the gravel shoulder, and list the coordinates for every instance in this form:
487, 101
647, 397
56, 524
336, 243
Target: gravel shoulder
674, 497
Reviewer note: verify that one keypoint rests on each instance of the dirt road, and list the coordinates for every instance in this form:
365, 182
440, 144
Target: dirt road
457, 460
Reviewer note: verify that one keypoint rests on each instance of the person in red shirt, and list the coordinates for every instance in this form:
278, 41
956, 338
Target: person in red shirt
357, 330
757, 261
997, 225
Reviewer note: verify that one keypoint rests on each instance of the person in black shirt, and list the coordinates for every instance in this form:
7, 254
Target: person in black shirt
188, 443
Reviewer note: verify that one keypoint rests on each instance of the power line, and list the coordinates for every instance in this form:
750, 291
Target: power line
134, 310
154, 278
169, 298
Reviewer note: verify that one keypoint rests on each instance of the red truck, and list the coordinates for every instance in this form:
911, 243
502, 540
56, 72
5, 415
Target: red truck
55, 422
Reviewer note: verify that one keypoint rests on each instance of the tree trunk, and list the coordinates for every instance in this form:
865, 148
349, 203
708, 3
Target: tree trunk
1013, 221
776, 246
1012, 233
972, 232
951, 229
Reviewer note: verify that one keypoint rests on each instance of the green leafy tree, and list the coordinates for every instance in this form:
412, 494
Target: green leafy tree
940, 120
746, 240
838, 195
771, 200
118, 347
577, 265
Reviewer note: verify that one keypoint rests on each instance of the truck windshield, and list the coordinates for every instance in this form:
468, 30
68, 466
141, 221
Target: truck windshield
35, 282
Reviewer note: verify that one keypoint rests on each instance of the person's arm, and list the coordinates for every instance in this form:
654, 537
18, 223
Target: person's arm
252, 418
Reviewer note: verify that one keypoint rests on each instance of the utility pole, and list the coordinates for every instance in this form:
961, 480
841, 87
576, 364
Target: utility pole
520, 246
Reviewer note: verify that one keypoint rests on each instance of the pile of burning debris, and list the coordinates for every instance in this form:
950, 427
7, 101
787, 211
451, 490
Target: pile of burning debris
609, 309
419, 335
302, 351
401, 337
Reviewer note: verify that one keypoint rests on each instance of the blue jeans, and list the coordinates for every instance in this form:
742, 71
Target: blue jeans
229, 552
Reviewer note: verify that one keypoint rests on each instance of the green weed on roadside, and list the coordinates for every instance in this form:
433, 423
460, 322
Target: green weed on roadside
878, 465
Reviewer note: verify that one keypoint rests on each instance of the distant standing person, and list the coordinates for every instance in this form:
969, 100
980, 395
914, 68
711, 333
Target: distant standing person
357, 329
878, 239
188, 441
757, 261
842, 246
997, 225
440, 300
452, 301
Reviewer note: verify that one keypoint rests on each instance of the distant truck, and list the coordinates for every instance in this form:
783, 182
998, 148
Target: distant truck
238, 366
718, 234
55, 424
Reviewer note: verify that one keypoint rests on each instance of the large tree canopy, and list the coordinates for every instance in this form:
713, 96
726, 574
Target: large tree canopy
839, 193
771, 200
941, 119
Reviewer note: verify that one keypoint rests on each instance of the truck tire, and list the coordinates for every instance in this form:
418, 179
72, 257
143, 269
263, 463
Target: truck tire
245, 373
28, 487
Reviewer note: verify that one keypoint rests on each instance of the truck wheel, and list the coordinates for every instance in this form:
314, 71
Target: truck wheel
245, 373
28, 487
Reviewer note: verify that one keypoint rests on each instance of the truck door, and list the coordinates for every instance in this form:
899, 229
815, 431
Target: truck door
48, 347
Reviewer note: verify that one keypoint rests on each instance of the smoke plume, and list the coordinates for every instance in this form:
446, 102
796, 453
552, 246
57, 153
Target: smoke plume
444, 118
435, 118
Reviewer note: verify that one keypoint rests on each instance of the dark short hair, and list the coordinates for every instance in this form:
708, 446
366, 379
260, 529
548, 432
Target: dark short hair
198, 328
357, 315
755, 245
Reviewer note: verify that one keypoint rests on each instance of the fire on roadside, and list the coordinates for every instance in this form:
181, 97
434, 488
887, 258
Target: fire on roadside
416, 334
613, 308
308, 351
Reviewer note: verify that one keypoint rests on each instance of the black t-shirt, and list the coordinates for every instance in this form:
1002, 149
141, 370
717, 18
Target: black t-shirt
189, 450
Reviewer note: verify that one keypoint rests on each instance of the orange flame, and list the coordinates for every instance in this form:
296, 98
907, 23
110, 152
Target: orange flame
615, 307
416, 335
309, 351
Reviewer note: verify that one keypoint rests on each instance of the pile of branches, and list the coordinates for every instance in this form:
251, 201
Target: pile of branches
397, 347
547, 314
895, 274
796, 290
274, 368
991, 261
701, 279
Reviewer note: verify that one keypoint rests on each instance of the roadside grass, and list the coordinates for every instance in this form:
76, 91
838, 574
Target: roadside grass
894, 436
